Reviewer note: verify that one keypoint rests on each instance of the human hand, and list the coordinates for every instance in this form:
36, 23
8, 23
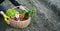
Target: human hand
23, 7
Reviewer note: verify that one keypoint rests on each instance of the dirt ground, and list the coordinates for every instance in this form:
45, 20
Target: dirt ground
45, 19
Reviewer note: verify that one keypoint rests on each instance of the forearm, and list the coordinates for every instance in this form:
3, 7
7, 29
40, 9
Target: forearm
17, 4
14, 2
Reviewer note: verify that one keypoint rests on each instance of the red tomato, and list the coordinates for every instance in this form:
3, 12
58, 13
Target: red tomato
15, 19
25, 18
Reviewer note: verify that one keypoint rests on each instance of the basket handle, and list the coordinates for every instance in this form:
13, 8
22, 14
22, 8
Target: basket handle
26, 9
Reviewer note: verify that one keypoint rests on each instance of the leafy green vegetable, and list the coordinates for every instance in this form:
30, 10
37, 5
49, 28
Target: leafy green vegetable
30, 13
11, 13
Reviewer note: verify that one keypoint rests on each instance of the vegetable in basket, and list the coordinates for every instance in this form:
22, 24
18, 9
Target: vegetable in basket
30, 13
11, 13
22, 15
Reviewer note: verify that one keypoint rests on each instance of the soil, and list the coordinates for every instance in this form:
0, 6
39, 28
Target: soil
45, 19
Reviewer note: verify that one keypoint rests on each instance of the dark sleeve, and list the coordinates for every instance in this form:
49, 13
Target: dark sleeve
1, 1
14, 2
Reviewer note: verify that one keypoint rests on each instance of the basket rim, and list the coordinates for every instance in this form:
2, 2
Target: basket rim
21, 21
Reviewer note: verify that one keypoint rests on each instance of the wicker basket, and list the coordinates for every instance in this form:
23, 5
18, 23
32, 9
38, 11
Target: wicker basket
19, 24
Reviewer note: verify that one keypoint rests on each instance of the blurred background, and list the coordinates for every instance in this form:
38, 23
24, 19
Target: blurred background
47, 17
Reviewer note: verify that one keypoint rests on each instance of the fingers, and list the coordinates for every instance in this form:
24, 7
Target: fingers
22, 7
